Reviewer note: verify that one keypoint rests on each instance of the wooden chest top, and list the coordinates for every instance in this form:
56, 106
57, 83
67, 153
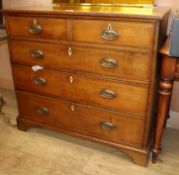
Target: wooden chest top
126, 12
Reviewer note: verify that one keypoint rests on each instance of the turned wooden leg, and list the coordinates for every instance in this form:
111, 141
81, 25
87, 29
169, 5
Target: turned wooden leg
168, 113
164, 96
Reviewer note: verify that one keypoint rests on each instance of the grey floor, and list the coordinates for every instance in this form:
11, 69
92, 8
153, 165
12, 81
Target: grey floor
45, 152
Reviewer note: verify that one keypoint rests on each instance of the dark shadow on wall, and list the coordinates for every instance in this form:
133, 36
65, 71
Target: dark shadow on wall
1, 16
1, 19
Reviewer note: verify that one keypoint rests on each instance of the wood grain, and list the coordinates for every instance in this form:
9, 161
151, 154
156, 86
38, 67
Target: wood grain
124, 96
85, 90
130, 65
82, 119
52, 28
129, 35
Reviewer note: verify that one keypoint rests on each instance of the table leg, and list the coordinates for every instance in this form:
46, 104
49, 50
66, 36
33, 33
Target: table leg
164, 96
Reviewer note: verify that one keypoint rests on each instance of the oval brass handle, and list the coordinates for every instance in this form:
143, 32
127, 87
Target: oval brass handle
109, 33
42, 110
108, 63
107, 125
35, 28
36, 53
105, 93
40, 81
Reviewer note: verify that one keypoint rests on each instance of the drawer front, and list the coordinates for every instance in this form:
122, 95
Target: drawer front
93, 122
90, 91
122, 33
37, 27
119, 64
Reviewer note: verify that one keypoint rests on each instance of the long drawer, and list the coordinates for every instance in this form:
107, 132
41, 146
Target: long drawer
97, 123
37, 27
114, 95
120, 64
122, 33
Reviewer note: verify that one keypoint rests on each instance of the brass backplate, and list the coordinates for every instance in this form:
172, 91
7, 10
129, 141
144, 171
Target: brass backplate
107, 2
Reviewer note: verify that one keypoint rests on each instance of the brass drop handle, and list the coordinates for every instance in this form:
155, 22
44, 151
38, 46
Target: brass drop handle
35, 53
109, 94
108, 63
42, 110
39, 81
107, 125
109, 34
35, 28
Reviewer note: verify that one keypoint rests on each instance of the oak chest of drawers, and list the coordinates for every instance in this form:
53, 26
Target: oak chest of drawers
90, 74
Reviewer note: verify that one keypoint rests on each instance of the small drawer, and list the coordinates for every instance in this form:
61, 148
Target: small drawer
113, 95
119, 64
37, 27
123, 33
88, 121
